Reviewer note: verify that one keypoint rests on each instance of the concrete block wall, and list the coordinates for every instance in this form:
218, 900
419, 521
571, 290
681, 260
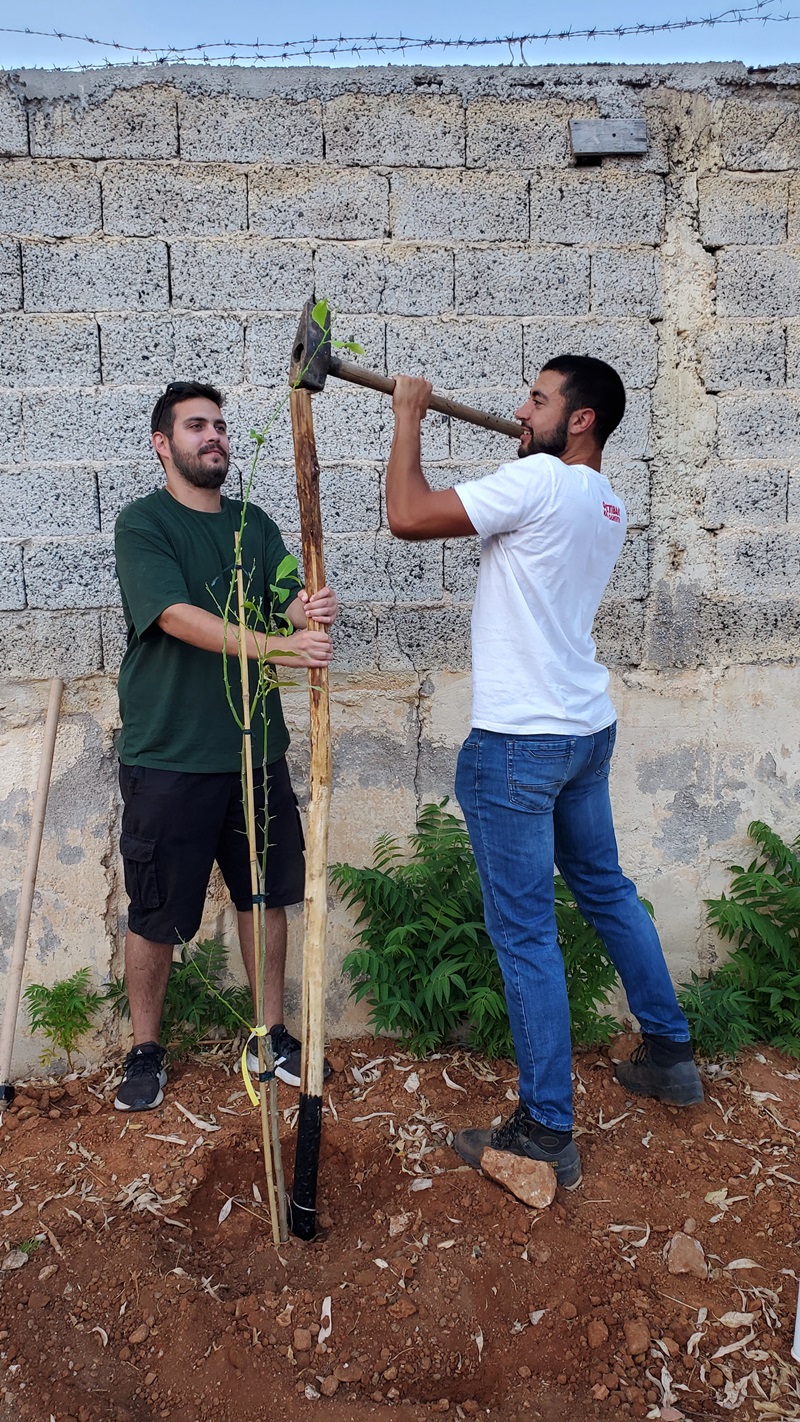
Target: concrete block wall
161, 225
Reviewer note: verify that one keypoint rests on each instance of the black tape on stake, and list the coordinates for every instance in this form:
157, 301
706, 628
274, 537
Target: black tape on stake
303, 1204
7, 1094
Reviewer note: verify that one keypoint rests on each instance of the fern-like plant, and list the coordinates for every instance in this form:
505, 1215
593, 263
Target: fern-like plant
425, 963
755, 995
63, 1012
198, 1001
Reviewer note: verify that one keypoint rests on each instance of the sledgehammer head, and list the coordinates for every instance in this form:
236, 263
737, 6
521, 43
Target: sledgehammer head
311, 351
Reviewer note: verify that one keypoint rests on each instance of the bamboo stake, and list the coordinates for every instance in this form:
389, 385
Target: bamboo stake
17, 965
309, 1122
269, 1114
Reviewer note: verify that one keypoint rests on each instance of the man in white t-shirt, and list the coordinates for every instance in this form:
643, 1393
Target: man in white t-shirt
532, 777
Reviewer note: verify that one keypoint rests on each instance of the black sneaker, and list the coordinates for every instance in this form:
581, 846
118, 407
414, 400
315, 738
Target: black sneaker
521, 1135
662, 1069
143, 1076
286, 1052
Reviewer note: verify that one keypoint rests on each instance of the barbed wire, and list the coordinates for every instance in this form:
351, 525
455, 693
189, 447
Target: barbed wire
258, 51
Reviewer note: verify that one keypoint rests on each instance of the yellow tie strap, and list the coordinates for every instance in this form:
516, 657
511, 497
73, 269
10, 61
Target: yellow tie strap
262, 1075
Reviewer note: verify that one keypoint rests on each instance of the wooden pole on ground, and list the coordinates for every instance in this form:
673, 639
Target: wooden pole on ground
17, 965
269, 1109
309, 1122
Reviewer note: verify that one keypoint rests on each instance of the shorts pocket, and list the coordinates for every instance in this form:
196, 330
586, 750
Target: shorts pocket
141, 879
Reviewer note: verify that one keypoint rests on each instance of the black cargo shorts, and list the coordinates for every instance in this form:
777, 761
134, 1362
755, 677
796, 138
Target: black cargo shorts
176, 824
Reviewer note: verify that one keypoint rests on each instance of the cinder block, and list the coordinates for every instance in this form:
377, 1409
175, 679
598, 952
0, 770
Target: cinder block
630, 579
760, 135
391, 279
633, 438
13, 125
630, 346
71, 572
426, 638
12, 586
631, 480
46, 644
128, 123
764, 426
144, 350
395, 130
472, 445
793, 353
738, 209
461, 559
380, 569
460, 206
119, 484
243, 274
745, 494
10, 276
742, 355
95, 276
104, 424
49, 199
266, 411
525, 132
757, 283
10, 428
619, 631
793, 507
415, 570
349, 496
626, 281
758, 564
164, 199
522, 281
48, 350
270, 339
48, 501
739, 631
597, 205
358, 424
355, 646
114, 635
231, 128
319, 203
456, 353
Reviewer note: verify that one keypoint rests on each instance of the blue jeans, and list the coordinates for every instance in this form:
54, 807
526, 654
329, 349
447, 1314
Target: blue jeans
530, 802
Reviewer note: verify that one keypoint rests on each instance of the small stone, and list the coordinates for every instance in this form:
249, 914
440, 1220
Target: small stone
716, 1377
398, 1224
597, 1334
301, 1340
139, 1335
539, 1253
403, 1308
531, 1181
524, 1372
684, 1255
124, 1355
47, 1272
328, 1386
600, 1392
568, 1310
27, 1113
336, 1063
689, 1226
672, 1347
637, 1336
698, 1130
16, 1259
38, 1300
611, 1381
471, 1406
150, 1379
348, 1372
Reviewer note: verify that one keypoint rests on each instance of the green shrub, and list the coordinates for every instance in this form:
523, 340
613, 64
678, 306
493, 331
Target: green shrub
197, 1002
426, 965
755, 995
63, 1012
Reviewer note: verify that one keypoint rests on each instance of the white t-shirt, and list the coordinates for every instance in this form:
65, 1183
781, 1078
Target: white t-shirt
551, 534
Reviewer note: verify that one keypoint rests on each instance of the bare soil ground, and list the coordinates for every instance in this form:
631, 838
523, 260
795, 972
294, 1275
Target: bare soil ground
143, 1295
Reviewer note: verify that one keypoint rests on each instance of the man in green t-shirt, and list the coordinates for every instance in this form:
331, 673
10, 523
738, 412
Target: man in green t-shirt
180, 748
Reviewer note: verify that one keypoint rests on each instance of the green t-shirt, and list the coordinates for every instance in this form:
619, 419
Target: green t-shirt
172, 697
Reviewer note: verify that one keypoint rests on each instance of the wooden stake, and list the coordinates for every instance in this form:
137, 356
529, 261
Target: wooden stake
269, 1111
309, 1122
17, 964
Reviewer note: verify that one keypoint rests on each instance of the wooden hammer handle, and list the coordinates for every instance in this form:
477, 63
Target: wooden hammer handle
345, 370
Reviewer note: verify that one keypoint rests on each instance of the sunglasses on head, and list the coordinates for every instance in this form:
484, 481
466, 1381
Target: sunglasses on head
175, 387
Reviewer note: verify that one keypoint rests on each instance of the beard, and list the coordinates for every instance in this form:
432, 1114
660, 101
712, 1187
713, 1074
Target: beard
554, 443
195, 471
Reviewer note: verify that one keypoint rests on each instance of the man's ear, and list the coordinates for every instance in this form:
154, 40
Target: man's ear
160, 443
582, 421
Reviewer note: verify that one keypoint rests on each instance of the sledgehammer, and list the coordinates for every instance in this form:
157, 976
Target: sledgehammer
313, 361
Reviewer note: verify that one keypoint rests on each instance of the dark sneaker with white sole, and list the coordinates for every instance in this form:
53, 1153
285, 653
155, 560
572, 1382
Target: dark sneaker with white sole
664, 1069
521, 1135
143, 1078
286, 1053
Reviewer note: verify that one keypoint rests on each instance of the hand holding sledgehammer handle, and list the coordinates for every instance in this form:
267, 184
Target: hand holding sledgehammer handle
345, 370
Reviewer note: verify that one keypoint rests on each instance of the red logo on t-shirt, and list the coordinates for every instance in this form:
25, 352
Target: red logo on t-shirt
611, 511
